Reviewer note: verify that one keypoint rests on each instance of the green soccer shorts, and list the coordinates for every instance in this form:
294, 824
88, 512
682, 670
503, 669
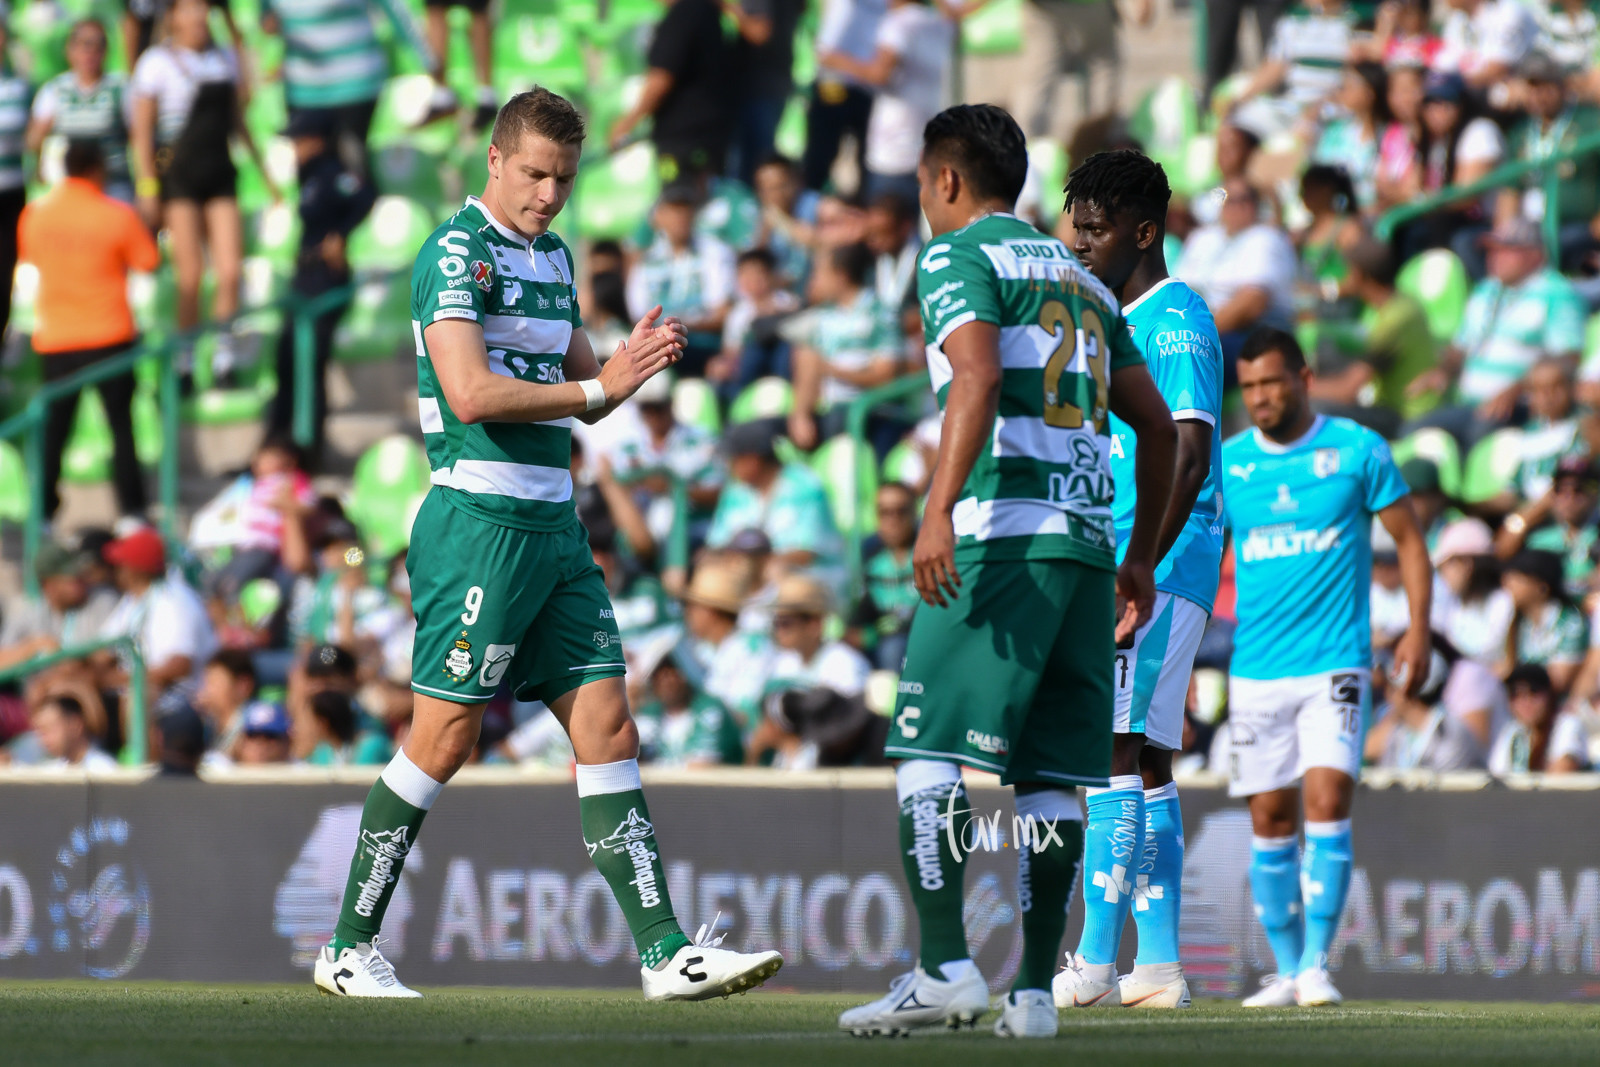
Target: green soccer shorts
496, 604
1011, 676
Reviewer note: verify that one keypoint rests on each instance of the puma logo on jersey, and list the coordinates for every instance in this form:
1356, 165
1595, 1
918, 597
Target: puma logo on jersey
1242, 473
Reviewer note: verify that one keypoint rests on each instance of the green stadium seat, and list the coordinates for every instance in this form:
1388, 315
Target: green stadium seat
377, 325
402, 104
225, 407
1166, 121
1591, 343
902, 464
1049, 159
24, 292
616, 194
388, 239
546, 49
1491, 465
405, 170
791, 136
1197, 170
994, 29
842, 462
274, 232
389, 480
1436, 445
13, 483
146, 427
765, 398
1438, 281
694, 403
86, 460
39, 39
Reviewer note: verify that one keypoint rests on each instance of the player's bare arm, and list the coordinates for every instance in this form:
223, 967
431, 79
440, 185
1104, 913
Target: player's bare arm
477, 394
1136, 401
1412, 652
970, 406
1190, 468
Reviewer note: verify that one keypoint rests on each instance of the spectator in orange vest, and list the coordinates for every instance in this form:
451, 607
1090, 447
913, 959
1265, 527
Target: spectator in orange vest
83, 244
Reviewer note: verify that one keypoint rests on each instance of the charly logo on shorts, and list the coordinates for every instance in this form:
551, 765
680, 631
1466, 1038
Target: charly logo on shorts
458, 661
99, 901
496, 658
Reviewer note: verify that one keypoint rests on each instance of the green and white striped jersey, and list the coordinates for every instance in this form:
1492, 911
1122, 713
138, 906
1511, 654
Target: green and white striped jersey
522, 294
1042, 489
98, 112
332, 54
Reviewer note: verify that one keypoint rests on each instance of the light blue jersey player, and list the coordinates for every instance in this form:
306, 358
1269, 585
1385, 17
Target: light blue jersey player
1133, 840
1300, 491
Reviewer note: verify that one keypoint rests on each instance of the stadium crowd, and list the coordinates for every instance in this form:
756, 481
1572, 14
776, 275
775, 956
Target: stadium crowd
724, 505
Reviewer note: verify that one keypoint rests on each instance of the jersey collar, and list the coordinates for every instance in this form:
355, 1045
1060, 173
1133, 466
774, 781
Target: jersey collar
1267, 444
1148, 293
504, 231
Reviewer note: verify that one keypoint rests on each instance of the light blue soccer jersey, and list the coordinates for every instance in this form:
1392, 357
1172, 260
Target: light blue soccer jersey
1174, 330
1301, 517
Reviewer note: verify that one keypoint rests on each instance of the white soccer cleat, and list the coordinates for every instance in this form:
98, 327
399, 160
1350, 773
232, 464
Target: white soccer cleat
1086, 985
358, 972
1277, 991
700, 970
1027, 1013
1314, 989
917, 999
1146, 989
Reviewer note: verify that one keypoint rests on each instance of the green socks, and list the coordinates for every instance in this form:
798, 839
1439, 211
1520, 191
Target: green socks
394, 811
932, 872
622, 843
1047, 871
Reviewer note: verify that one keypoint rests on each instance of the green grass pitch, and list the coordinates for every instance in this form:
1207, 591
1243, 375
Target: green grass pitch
140, 1023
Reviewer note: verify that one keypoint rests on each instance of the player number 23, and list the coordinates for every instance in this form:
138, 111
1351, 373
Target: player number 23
1059, 411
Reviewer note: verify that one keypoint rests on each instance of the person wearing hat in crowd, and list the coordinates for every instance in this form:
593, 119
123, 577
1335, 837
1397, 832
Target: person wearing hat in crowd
679, 725
63, 731
663, 451
1547, 628
1541, 738
1524, 311
805, 659
1561, 522
688, 273
68, 611
263, 736
752, 550
158, 609
787, 502
333, 201
1396, 348
737, 663
1480, 610
1428, 500
178, 741
1556, 120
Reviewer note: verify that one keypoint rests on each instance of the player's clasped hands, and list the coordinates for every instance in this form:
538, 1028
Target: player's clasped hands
655, 344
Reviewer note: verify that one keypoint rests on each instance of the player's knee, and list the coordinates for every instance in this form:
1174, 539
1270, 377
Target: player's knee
1125, 750
1155, 765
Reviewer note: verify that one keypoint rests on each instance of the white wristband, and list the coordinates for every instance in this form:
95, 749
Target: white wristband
595, 393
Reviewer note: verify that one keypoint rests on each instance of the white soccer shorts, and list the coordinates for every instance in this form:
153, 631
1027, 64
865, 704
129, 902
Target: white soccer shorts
1152, 677
1280, 727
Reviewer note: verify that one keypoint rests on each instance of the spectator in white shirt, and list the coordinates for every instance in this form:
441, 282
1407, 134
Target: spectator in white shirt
908, 69
1485, 41
1542, 739
1244, 268
691, 275
63, 733
165, 617
1482, 611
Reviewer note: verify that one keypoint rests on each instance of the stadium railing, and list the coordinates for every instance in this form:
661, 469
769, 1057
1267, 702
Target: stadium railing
1499, 177
135, 748
30, 422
